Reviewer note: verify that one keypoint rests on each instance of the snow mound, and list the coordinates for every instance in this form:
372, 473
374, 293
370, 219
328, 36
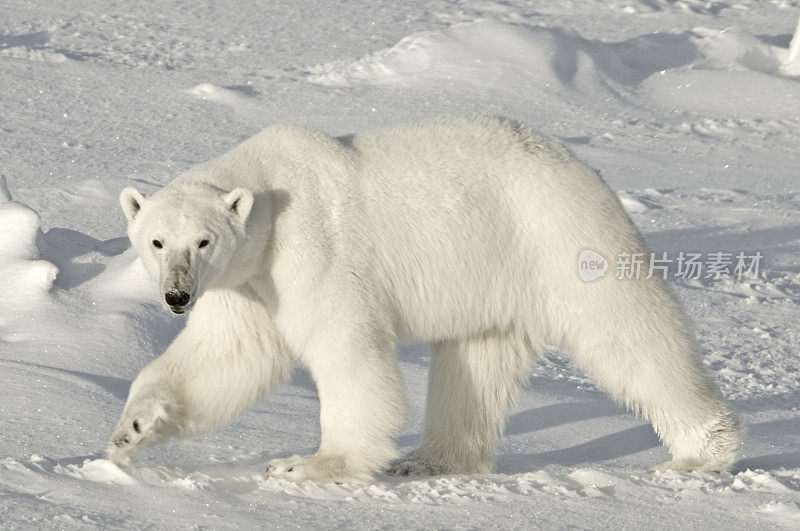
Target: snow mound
99, 470
25, 279
734, 49
487, 51
719, 72
723, 93
787, 511
500, 54
211, 92
730, 75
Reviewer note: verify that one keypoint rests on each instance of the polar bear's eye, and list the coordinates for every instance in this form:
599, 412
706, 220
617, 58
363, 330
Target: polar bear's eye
157, 244
203, 243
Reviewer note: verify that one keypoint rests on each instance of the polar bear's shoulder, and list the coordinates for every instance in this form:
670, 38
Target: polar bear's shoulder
291, 136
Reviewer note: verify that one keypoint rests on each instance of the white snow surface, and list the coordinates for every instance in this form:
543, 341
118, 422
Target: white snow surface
689, 108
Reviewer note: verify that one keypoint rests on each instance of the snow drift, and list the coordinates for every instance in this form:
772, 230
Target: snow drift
723, 72
25, 279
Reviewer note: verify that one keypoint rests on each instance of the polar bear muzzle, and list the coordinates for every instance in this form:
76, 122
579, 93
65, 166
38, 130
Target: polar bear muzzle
177, 300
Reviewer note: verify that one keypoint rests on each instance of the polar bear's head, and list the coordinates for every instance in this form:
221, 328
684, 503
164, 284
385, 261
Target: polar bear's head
190, 238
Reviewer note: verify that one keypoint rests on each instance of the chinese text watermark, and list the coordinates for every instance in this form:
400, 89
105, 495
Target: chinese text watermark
683, 265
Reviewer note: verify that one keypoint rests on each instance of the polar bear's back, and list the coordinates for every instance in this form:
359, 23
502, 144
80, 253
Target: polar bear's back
459, 140
490, 174
479, 213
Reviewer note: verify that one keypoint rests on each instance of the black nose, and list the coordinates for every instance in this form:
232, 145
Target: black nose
177, 298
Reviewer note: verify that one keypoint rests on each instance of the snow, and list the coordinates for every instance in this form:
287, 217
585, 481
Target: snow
690, 109
26, 280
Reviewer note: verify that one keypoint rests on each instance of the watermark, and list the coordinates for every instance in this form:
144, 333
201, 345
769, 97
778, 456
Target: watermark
683, 265
591, 265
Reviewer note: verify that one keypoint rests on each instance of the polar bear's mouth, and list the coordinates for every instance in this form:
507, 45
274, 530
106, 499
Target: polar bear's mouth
179, 310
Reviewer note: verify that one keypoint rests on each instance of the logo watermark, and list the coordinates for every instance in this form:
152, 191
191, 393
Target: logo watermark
685, 265
591, 265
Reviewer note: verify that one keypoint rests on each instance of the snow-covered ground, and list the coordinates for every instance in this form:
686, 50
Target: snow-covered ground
689, 108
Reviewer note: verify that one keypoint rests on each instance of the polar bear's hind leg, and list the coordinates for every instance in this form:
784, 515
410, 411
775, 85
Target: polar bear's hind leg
644, 354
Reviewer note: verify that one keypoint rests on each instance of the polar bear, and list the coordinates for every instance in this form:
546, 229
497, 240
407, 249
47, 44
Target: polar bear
463, 232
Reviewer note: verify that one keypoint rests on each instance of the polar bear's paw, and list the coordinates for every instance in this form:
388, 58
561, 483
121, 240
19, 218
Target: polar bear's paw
322, 468
715, 450
418, 464
688, 464
683, 465
143, 422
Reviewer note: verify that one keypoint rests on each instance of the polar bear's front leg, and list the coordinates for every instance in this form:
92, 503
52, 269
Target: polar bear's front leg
226, 359
361, 405
154, 411
149, 419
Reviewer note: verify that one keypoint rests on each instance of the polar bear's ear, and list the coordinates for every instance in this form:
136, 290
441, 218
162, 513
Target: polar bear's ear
131, 201
239, 201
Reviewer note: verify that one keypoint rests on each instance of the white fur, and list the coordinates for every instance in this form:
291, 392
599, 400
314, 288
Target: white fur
461, 231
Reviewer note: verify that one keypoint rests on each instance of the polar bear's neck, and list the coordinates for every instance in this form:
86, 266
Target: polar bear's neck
281, 157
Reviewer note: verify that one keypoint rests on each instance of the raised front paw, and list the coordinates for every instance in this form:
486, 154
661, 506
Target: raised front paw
317, 467
142, 423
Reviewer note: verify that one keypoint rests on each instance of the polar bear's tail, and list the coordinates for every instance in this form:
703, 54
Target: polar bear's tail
5, 195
